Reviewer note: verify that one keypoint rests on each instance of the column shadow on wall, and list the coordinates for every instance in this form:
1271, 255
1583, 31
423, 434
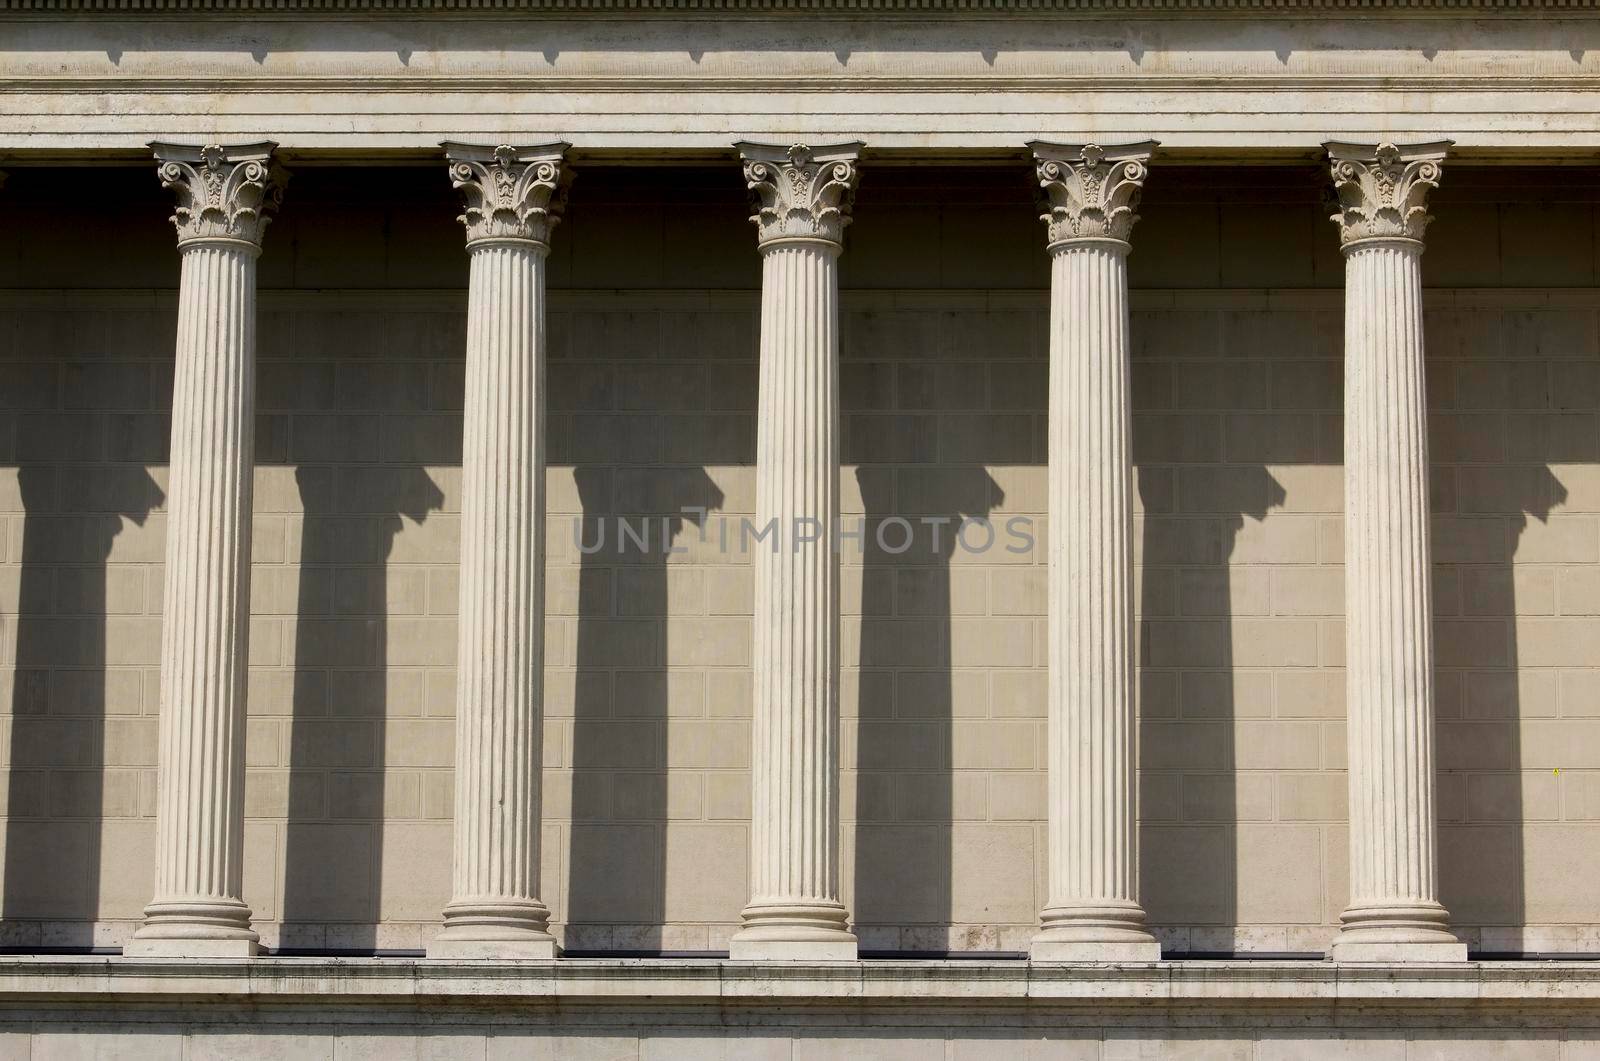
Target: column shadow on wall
616, 880
1497, 852
905, 784
1187, 665
333, 847
56, 785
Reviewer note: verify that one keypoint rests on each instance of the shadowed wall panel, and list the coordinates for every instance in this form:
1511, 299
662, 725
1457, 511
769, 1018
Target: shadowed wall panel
652, 379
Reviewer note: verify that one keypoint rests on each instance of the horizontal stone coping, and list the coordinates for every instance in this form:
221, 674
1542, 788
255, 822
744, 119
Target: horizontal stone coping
1523, 984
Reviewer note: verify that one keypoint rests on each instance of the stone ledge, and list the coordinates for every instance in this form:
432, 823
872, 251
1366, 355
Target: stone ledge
698, 982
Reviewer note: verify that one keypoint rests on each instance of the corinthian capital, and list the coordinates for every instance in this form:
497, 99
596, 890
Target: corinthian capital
800, 192
224, 193
512, 193
1383, 189
1089, 191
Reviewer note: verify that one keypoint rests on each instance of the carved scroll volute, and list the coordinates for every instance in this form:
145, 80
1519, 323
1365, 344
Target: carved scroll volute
223, 193
800, 192
1088, 191
511, 193
1383, 188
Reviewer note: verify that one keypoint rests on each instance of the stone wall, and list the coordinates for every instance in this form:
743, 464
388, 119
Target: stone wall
1237, 389
346, 1009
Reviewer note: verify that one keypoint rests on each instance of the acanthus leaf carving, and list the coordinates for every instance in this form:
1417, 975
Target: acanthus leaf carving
800, 192
1383, 188
1089, 191
511, 193
223, 193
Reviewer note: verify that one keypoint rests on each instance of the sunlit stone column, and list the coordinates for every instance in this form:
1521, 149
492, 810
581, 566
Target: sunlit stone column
1092, 912
1394, 912
514, 198
802, 200
223, 195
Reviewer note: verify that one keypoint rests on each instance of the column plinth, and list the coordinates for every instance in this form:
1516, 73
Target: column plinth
223, 195
1093, 912
514, 197
1394, 912
802, 200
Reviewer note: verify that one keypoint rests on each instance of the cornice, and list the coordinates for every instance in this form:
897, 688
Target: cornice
918, 8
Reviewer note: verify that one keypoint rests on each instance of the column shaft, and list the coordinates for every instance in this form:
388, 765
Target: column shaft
1093, 909
1394, 906
495, 910
794, 852
205, 645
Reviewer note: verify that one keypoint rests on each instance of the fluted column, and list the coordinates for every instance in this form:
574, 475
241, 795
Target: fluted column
1090, 195
223, 196
802, 199
514, 198
1394, 912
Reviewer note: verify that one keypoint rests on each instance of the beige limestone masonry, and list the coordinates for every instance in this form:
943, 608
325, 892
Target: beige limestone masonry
1235, 357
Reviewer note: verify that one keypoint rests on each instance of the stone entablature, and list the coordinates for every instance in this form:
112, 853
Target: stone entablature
900, 80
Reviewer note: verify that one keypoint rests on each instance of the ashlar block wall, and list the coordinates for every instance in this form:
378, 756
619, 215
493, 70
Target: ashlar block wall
652, 377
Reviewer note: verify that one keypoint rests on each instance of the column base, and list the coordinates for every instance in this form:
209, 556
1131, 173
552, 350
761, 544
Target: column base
195, 929
793, 932
1414, 932
1094, 932
488, 929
